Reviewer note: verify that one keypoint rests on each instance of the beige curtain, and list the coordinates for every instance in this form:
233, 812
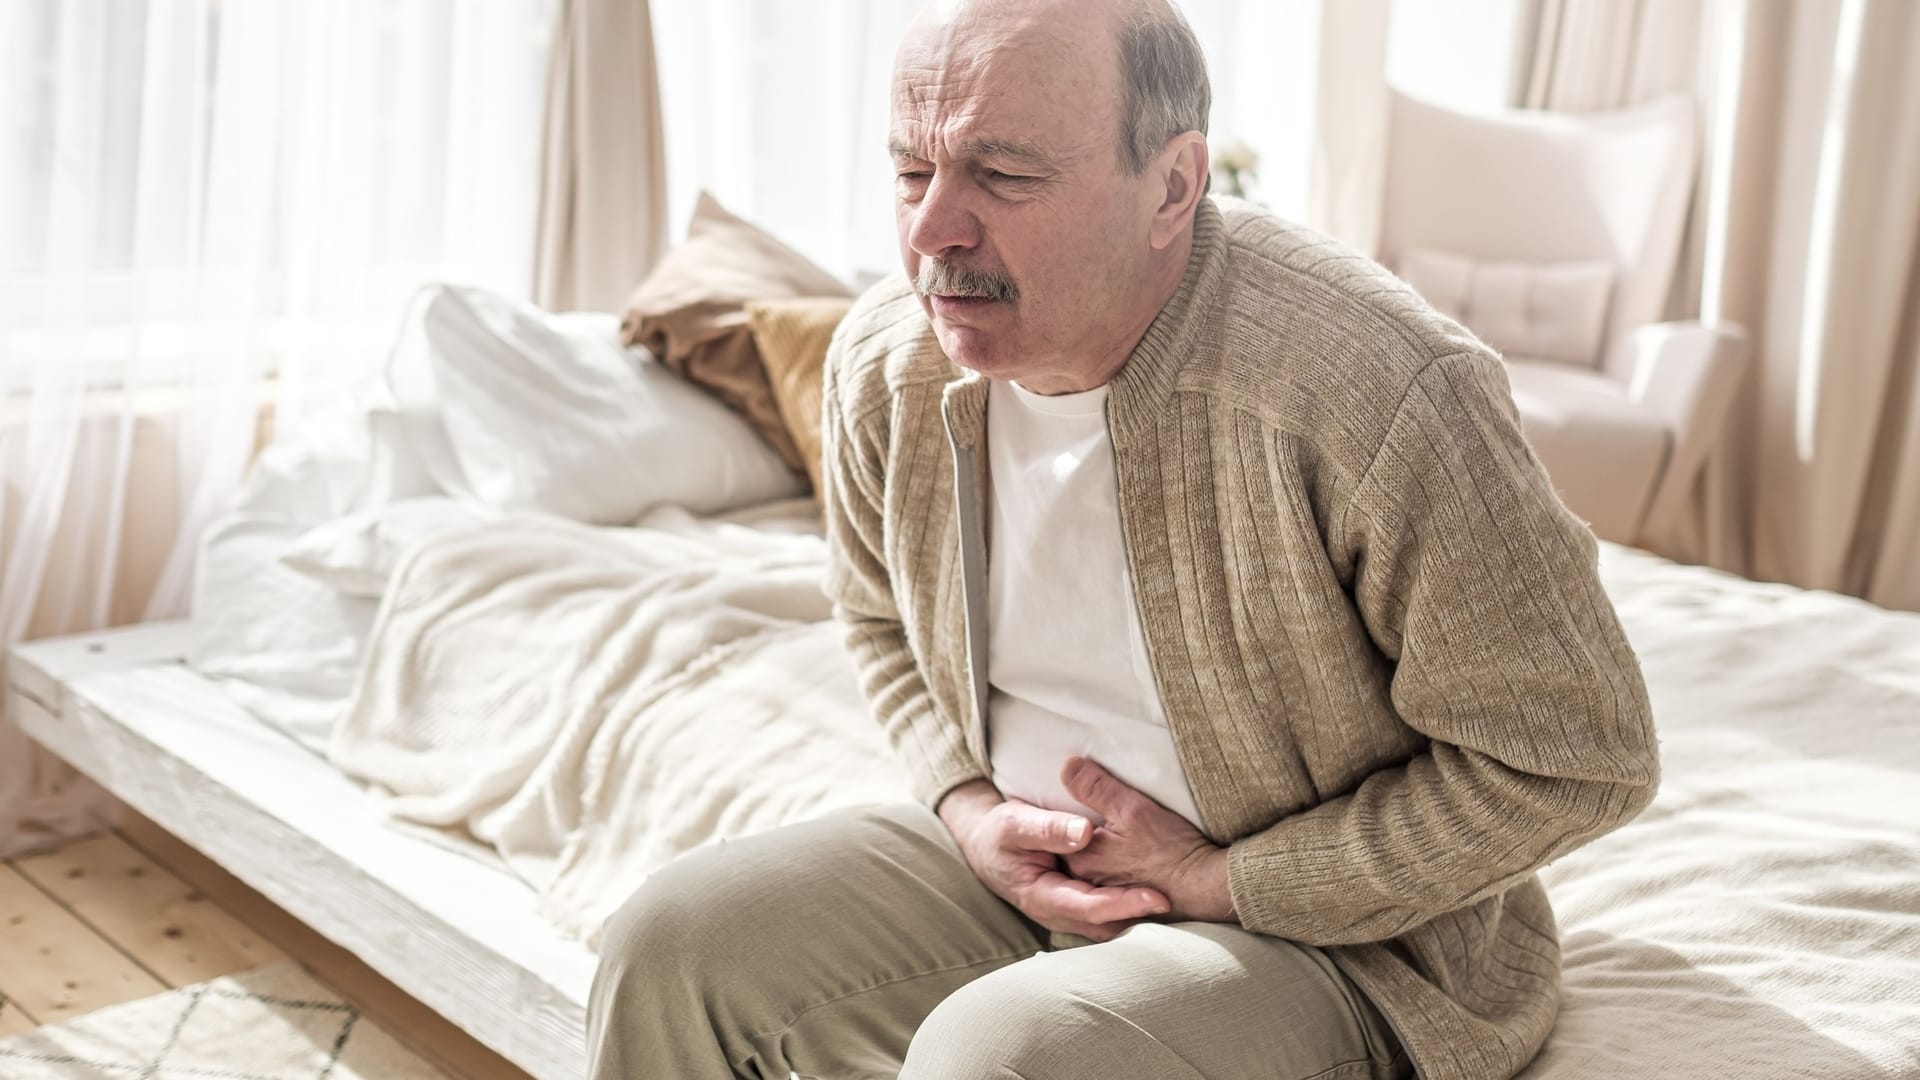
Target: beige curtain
1602, 54
603, 181
1805, 230
1350, 122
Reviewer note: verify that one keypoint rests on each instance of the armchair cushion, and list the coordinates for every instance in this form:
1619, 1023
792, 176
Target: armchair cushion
1603, 450
1552, 311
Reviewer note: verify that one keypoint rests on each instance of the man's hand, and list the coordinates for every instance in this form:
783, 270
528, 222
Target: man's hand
1146, 844
1014, 848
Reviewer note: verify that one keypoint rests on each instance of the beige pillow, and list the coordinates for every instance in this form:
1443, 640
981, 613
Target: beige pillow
792, 336
691, 312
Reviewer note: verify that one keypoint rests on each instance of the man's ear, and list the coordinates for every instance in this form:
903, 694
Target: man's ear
1183, 165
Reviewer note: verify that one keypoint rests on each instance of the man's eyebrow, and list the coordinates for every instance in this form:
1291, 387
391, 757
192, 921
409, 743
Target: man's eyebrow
979, 148
1007, 148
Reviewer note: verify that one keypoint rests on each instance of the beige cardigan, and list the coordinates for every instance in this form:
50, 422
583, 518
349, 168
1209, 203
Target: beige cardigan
1391, 674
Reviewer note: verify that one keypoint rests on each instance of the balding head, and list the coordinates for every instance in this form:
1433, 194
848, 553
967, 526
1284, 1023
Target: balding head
1160, 85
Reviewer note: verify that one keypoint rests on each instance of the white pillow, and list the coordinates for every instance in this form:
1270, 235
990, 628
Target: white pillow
1548, 311
514, 408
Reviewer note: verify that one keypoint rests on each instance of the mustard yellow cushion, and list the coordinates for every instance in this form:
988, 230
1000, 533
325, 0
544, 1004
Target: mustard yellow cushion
792, 337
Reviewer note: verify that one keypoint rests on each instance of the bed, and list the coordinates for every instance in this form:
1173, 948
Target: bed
453, 688
1761, 919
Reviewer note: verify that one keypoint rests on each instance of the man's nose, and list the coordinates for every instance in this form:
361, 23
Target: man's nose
942, 221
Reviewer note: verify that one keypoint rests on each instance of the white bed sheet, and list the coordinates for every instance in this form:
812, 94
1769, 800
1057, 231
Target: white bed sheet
1761, 919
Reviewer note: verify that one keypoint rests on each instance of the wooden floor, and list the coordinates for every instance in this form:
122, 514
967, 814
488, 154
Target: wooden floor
131, 911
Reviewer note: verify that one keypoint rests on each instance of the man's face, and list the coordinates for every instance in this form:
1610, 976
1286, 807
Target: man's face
1016, 219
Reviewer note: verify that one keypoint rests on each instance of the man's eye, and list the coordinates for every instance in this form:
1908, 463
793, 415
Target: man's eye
914, 175
1009, 180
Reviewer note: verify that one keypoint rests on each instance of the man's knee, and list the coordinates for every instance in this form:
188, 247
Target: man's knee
703, 927
674, 931
668, 990
999, 1027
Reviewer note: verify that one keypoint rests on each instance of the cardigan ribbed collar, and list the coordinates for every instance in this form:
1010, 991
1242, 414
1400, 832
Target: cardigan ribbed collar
1145, 382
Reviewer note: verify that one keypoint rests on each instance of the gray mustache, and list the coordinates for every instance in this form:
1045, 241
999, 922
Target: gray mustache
945, 279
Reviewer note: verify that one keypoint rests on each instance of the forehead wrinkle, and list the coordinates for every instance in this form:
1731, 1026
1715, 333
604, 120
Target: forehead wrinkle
965, 89
969, 56
987, 124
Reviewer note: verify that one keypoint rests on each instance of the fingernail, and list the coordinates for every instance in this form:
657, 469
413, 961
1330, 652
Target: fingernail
1077, 831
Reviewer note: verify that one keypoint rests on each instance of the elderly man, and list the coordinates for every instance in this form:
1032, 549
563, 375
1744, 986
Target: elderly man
1244, 663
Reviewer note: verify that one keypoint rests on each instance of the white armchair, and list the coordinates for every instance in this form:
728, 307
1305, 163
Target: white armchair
1553, 237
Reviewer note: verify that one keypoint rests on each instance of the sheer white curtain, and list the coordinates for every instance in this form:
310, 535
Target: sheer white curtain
210, 214
780, 109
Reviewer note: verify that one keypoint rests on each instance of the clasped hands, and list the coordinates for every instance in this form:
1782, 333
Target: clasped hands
1068, 874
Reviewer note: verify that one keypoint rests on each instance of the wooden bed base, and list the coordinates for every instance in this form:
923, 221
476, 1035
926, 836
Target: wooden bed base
459, 934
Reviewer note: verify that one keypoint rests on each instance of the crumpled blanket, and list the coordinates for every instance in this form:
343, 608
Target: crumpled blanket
593, 701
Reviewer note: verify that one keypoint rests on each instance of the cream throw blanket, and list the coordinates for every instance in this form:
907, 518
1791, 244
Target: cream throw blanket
595, 701
591, 702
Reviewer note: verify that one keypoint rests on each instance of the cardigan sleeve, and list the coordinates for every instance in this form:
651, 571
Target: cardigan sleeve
932, 748
1483, 592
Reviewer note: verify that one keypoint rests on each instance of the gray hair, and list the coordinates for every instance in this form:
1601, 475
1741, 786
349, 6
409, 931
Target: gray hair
1164, 75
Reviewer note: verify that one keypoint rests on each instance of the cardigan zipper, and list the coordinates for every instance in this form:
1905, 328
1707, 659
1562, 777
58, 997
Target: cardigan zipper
973, 572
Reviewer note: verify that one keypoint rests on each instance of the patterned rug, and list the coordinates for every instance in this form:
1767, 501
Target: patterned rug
271, 1023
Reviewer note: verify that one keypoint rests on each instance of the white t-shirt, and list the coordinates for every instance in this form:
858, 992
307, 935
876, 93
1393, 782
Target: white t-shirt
1066, 663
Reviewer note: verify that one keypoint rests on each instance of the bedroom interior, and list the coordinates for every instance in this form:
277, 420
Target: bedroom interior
410, 439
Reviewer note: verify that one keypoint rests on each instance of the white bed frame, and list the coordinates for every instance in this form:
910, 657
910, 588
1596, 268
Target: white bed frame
461, 936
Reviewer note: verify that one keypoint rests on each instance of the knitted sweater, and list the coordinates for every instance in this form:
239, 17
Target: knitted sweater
1391, 674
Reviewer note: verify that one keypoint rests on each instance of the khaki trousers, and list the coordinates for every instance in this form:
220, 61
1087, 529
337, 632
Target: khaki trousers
861, 945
